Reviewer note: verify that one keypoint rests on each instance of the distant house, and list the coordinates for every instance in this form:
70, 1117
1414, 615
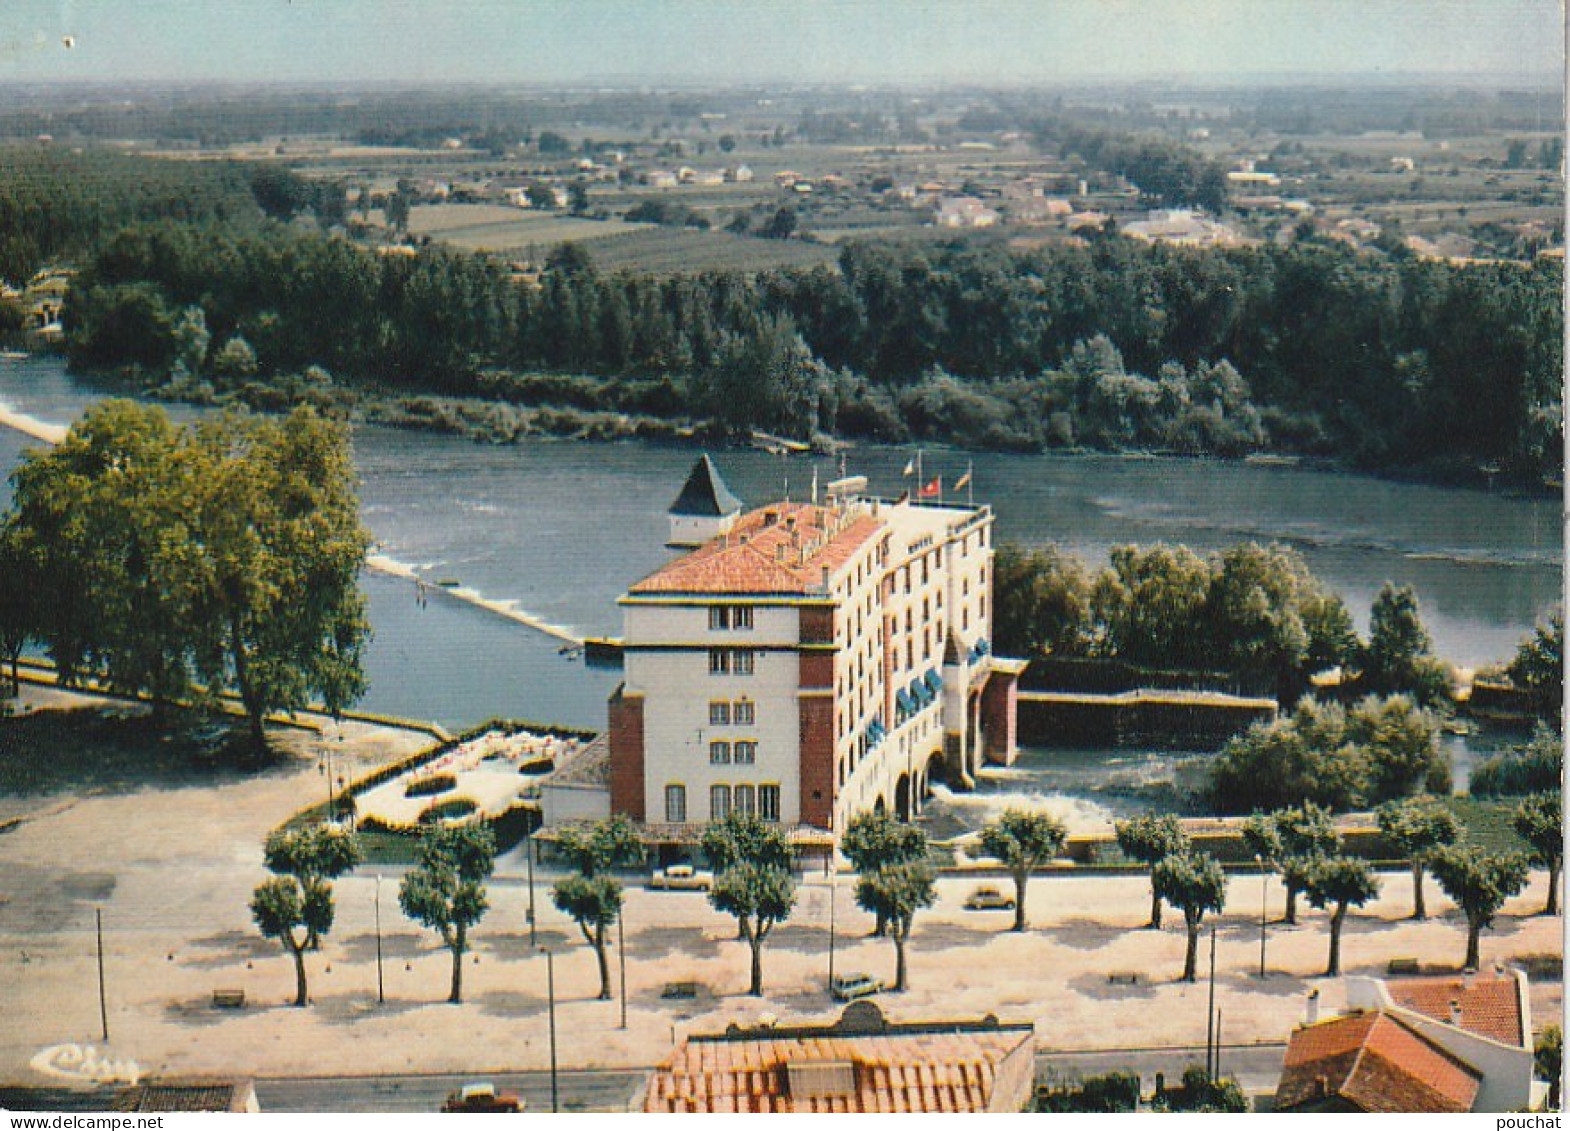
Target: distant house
965, 212
1425, 1045
1251, 177
660, 178
861, 1063
739, 174
190, 1095
1182, 227
1038, 210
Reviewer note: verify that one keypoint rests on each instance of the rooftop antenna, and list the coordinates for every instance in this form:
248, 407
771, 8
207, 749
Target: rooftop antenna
787, 488
814, 484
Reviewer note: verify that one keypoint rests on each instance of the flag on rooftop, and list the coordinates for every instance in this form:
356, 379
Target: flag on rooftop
910, 467
933, 488
963, 480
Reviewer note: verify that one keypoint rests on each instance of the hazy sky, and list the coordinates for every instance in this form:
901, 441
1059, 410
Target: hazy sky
722, 41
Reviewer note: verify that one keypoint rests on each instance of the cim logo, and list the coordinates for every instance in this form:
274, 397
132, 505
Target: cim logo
83, 1062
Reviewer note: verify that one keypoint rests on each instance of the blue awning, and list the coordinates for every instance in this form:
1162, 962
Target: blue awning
935, 682
919, 692
904, 702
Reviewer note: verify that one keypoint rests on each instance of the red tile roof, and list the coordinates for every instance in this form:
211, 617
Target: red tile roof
1491, 1006
1375, 1063
778, 549
915, 1072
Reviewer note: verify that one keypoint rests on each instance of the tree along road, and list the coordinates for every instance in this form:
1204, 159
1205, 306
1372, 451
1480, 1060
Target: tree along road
1256, 1067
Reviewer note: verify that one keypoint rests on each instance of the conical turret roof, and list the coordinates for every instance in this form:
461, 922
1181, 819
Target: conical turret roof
705, 492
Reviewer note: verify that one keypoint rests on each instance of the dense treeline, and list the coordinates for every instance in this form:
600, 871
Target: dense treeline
1390, 362
1249, 611
55, 203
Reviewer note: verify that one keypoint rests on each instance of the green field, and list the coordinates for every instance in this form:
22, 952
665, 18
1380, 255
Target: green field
494, 227
675, 251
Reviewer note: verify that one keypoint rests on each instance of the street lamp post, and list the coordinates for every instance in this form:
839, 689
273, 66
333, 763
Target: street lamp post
103, 1000
528, 856
550, 997
1210, 1011
381, 995
621, 956
1264, 896
833, 889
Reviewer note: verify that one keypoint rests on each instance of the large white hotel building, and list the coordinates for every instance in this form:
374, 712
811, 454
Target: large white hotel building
807, 662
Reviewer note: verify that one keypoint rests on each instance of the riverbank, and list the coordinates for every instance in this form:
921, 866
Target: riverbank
498, 420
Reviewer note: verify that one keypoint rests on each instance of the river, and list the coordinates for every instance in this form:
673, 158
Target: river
562, 528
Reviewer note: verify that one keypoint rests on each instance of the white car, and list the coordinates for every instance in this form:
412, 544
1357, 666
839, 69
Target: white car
681, 877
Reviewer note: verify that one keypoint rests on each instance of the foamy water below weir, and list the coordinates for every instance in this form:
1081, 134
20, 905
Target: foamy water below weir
1079, 815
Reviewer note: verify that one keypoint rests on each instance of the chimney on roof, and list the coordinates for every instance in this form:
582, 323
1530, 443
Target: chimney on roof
1455, 1014
1311, 1009
1468, 976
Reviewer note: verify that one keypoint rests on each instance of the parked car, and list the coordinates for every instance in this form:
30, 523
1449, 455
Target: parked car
481, 1098
989, 899
681, 877
848, 987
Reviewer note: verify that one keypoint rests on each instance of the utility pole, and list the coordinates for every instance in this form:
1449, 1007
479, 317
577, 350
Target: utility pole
528, 856
833, 889
1210, 1013
103, 1001
550, 995
381, 994
621, 954
1264, 895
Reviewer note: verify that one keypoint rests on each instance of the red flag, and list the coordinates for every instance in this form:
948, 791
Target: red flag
934, 488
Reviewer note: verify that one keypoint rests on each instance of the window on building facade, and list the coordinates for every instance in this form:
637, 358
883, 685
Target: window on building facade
745, 800
675, 804
719, 617
745, 713
719, 802
719, 753
746, 753
719, 661
719, 713
769, 802
741, 617
742, 663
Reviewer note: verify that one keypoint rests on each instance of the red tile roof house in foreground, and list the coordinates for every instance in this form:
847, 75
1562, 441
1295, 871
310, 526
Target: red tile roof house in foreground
1424, 1045
862, 1063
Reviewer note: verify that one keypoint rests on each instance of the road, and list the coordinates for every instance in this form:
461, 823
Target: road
579, 1091
1257, 1068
